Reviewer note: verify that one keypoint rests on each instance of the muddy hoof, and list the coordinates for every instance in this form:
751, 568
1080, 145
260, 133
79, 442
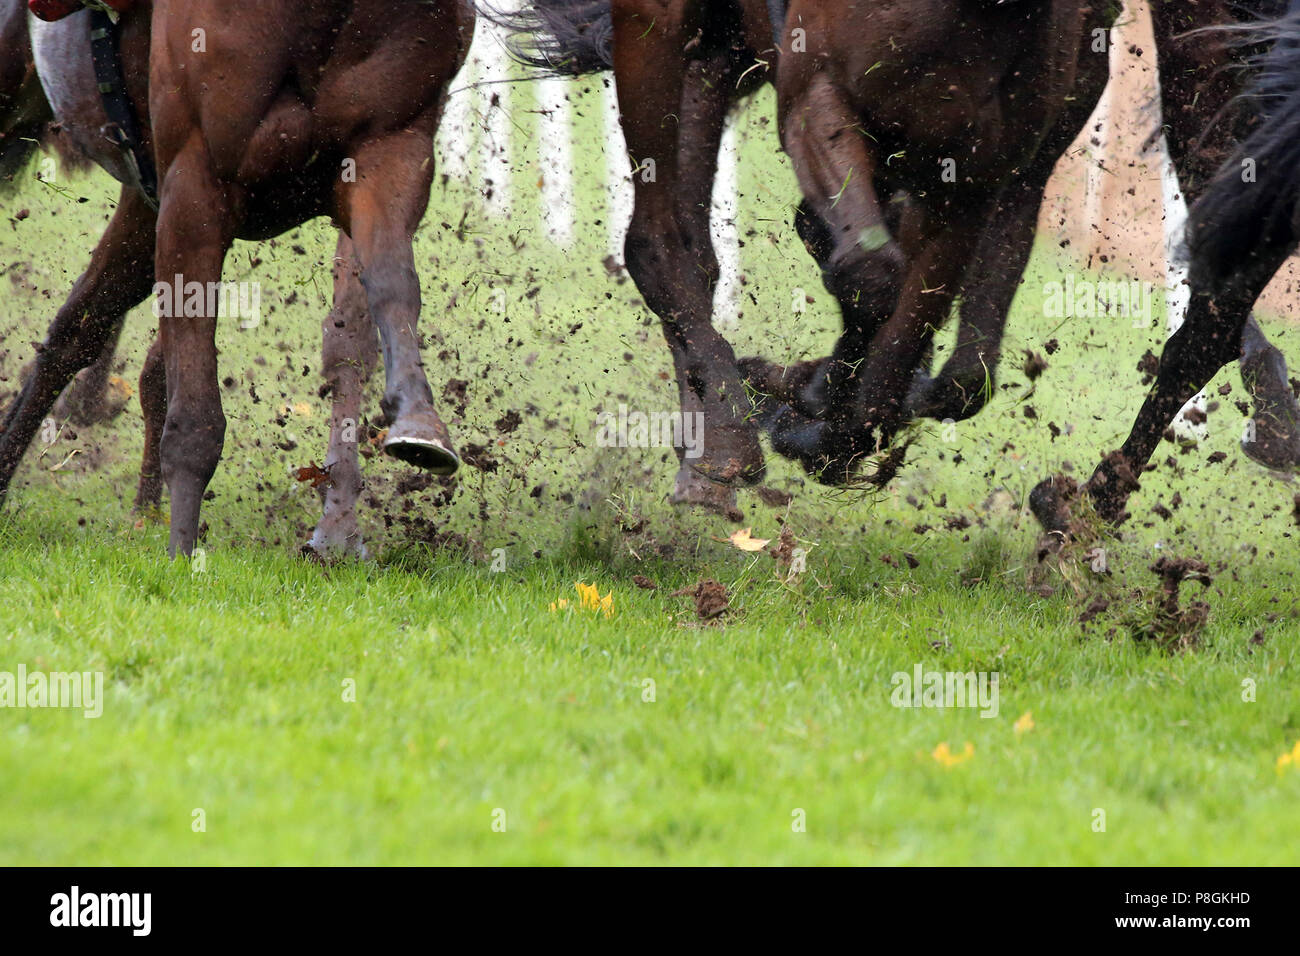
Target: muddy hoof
1050, 503
693, 490
326, 546
732, 456
423, 442
942, 398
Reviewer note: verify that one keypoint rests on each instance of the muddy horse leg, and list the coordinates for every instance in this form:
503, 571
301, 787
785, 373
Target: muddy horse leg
119, 277
348, 356
382, 211
675, 118
1207, 340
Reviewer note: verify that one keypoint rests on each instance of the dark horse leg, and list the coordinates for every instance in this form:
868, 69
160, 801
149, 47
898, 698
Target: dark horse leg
676, 117
961, 389
1200, 76
120, 276
1239, 233
891, 303
1208, 340
965, 383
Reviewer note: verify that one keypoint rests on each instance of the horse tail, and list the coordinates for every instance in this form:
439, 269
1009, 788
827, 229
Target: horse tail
1254, 199
559, 37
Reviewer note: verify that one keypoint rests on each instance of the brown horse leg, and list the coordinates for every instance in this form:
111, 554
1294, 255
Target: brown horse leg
1193, 355
383, 209
965, 383
705, 103
348, 356
195, 230
120, 276
676, 118
153, 406
86, 401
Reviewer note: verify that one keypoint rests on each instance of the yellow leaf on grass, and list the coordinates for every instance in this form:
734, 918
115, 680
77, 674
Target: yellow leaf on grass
949, 759
1025, 723
746, 542
592, 601
1291, 759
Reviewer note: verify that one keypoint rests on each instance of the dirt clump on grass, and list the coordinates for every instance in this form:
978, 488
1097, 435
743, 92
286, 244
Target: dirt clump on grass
1164, 619
711, 599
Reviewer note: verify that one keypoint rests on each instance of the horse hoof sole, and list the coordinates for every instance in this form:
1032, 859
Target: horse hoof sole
428, 454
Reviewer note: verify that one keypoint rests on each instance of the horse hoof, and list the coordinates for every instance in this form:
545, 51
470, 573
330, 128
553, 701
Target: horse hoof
1273, 440
802, 385
326, 547
424, 443
693, 490
84, 407
1050, 503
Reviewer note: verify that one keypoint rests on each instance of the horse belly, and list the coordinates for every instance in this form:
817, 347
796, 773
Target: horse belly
62, 54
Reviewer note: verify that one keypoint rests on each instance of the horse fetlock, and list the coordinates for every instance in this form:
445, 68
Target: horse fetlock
694, 490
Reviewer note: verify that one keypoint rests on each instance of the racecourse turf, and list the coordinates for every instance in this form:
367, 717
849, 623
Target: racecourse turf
431, 706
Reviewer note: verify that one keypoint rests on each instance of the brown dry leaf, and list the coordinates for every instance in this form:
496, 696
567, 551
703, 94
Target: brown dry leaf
317, 476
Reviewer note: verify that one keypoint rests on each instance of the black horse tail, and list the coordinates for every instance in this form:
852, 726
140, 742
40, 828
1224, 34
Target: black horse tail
1254, 199
560, 37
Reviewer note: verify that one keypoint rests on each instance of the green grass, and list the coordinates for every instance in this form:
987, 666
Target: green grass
225, 684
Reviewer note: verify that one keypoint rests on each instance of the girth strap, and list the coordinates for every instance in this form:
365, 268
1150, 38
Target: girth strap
122, 128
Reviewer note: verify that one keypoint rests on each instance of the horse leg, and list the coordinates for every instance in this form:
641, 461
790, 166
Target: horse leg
676, 118
864, 271
348, 355
1207, 340
803, 385
153, 406
382, 210
1204, 122
705, 103
965, 383
120, 276
195, 230
86, 401
1276, 438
